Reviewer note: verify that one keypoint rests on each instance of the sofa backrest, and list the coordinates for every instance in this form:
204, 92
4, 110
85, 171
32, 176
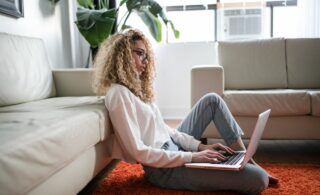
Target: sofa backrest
254, 64
25, 74
303, 62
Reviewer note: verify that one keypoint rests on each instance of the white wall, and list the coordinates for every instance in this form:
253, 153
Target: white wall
50, 23
173, 65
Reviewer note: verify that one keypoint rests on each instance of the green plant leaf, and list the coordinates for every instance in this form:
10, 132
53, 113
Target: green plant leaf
176, 32
154, 8
133, 4
86, 3
146, 7
122, 2
152, 22
103, 4
95, 21
95, 25
166, 21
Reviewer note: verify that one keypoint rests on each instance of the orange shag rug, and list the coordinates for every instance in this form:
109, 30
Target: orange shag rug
294, 179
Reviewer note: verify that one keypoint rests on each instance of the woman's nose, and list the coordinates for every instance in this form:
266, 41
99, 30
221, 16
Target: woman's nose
145, 62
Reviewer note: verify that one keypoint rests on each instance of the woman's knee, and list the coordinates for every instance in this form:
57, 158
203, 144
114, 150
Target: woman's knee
212, 98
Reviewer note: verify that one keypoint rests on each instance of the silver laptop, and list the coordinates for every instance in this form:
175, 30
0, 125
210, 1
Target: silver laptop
240, 159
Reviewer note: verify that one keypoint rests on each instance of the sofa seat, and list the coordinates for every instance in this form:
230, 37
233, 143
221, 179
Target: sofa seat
315, 102
39, 138
283, 102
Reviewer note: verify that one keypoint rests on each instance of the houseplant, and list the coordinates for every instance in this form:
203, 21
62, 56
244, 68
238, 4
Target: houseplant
96, 19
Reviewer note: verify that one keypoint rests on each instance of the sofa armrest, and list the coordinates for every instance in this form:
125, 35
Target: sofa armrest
206, 79
73, 82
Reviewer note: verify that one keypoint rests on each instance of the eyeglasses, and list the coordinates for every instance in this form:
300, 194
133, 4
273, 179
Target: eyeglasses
142, 55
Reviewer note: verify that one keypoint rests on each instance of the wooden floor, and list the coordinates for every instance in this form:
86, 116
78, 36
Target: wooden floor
280, 151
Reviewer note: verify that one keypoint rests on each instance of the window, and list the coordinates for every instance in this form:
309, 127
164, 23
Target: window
212, 20
194, 25
282, 27
195, 19
225, 19
302, 20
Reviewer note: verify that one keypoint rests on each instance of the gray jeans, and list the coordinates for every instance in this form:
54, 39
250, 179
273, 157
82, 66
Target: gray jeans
250, 180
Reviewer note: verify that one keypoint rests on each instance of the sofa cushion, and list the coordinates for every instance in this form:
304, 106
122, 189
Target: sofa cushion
256, 64
282, 102
25, 73
303, 61
36, 141
315, 102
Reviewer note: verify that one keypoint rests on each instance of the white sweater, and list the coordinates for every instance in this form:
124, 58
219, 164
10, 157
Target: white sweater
140, 131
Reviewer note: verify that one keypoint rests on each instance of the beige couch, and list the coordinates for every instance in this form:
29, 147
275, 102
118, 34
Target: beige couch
252, 76
53, 130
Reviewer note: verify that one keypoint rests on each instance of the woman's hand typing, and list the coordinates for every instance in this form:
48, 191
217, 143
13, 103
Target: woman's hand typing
213, 153
216, 147
207, 156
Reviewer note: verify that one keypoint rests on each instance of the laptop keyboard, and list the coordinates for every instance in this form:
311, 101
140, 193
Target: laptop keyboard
232, 160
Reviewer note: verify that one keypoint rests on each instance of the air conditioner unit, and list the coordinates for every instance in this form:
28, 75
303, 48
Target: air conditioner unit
242, 23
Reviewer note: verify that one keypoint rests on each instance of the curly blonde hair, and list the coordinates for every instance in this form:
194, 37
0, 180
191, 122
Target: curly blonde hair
114, 64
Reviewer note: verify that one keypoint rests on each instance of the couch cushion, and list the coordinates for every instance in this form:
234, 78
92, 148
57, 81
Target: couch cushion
315, 102
37, 141
303, 61
257, 64
282, 102
25, 74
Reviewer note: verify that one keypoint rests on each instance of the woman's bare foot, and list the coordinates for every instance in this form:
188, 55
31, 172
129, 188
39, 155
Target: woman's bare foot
273, 180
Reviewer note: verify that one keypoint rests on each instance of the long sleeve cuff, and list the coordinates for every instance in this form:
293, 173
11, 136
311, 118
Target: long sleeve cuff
188, 157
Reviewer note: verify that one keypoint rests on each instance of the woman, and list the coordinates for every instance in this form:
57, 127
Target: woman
124, 71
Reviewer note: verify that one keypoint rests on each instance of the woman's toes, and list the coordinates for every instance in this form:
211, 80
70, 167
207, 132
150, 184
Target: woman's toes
273, 180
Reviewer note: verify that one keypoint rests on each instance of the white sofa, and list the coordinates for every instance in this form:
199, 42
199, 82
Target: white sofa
53, 130
252, 76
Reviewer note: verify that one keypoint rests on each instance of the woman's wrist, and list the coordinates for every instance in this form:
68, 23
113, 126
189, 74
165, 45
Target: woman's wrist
201, 147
